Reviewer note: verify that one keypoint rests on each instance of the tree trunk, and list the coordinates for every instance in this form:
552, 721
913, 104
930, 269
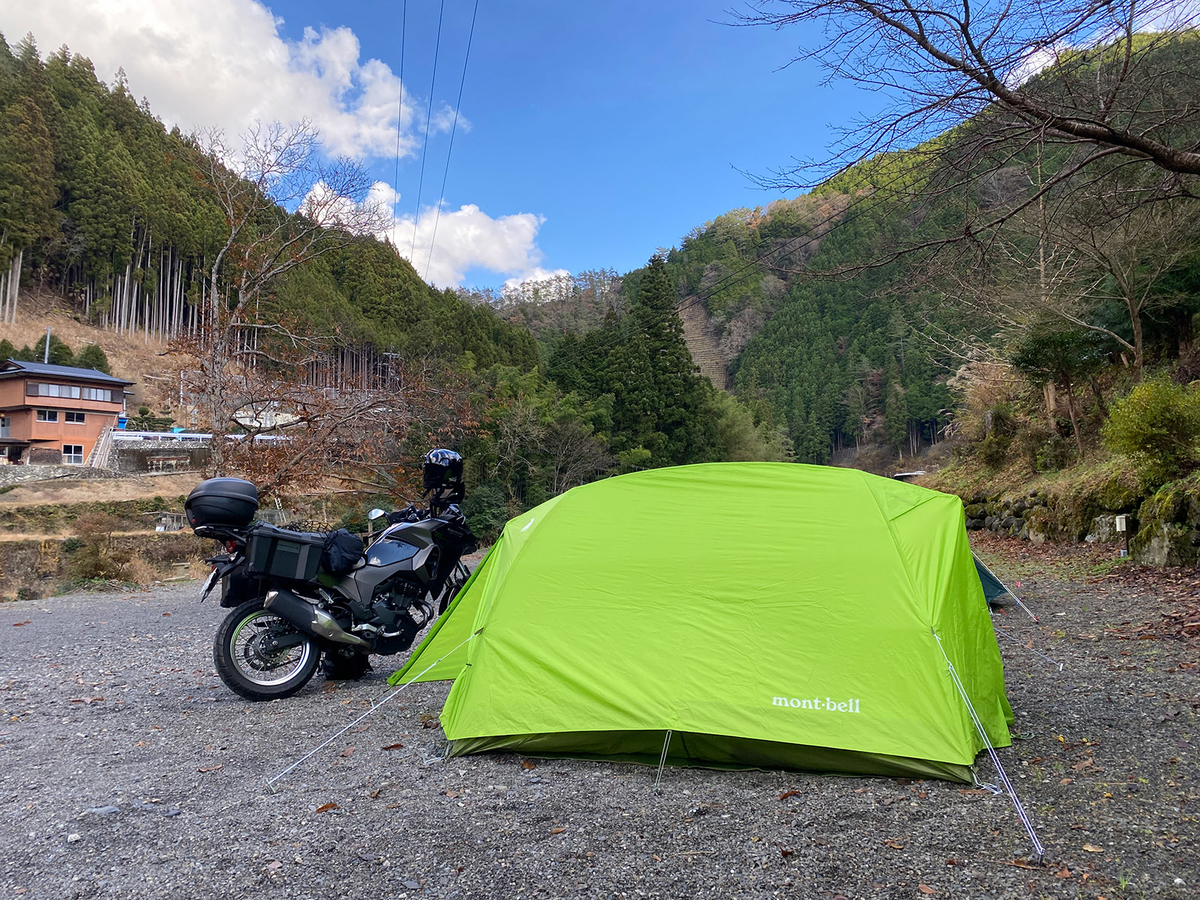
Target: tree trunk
1074, 423
1135, 322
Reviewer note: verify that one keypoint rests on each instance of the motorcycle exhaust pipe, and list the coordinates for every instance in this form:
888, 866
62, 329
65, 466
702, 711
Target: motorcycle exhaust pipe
312, 621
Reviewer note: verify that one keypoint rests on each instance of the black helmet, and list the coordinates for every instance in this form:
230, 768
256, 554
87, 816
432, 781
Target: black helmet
443, 473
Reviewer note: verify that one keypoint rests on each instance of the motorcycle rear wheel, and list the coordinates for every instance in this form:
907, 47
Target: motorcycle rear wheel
250, 667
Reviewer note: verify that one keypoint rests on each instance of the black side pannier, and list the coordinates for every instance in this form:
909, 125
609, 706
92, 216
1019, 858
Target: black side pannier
342, 551
221, 502
278, 553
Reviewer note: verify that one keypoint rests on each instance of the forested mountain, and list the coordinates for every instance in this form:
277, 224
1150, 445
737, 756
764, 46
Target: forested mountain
985, 255
100, 203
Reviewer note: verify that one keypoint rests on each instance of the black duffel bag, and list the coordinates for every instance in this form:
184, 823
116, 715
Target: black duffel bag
342, 551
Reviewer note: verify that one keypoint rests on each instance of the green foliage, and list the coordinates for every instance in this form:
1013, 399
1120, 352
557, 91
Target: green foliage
7, 350
1157, 425
92, 357
145, 420
60, 353
486, 510
95, 189
658, 400
1063, 356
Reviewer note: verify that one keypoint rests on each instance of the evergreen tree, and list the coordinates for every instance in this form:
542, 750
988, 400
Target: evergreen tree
92, 357
660, 400
60, 353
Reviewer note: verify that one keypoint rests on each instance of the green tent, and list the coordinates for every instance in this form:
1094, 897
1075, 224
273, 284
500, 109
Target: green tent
765, 615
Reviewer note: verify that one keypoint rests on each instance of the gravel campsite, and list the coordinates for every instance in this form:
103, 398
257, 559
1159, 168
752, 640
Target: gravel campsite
130, 771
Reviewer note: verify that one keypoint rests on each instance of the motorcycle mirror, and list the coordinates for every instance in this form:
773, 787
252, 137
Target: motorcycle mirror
376, 514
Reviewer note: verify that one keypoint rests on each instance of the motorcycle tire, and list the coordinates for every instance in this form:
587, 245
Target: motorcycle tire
345, 665
253, 672
448, 596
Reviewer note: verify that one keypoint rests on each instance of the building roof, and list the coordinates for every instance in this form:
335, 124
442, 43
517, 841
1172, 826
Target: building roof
19, 367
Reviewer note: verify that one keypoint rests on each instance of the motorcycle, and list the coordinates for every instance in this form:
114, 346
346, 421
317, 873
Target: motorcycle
297, 597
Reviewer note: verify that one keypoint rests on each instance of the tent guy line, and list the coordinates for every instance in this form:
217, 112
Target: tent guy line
1038, 849
1014, 639
375, 705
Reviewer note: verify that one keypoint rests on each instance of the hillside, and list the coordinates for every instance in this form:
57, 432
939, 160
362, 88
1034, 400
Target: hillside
124, 220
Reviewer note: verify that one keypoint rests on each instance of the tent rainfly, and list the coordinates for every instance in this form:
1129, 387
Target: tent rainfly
729, 615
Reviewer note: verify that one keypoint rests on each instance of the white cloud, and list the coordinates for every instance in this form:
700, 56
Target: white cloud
534, 277
468, 238
224, 64
1034, 62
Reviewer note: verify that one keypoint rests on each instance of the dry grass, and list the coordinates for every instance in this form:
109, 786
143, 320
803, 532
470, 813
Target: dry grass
148, 363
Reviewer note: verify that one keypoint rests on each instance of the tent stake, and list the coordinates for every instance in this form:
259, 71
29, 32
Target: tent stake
1038, 850
662, 760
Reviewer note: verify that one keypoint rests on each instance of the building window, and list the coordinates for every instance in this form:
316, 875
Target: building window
72, 454
39, 389
74, 418
68, 391
47, 415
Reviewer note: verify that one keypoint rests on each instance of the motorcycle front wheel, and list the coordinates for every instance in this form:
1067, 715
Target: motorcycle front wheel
261, 656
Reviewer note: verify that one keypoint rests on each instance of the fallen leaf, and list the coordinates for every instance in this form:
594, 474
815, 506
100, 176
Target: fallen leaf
1082, 764
1064, 872
1067, 781
349, 751
1092, 848
19, 624
787, 794
326, 807
394, 747
374, 795
558, 829
209, 768
925, 889
274, 864
528, 765
895, 845
165, 615
453, 794
783, 851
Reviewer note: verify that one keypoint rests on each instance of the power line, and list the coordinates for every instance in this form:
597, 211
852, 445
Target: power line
399, 111
437, 45
454, 127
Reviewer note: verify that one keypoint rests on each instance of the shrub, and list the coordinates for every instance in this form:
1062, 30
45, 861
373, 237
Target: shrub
98, 556
1157, 426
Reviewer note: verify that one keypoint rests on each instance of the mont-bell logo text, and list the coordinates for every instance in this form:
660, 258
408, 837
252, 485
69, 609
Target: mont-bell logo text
826, 704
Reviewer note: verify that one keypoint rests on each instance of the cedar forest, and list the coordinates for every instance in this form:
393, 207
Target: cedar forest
834, 346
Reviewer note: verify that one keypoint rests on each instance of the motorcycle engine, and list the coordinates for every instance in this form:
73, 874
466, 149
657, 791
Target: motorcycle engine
399, 601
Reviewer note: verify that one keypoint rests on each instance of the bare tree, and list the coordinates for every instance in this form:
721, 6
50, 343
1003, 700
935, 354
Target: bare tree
1112, 240
283, 205
943, 62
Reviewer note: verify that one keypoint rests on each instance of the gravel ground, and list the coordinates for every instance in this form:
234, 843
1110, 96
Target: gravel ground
128, 770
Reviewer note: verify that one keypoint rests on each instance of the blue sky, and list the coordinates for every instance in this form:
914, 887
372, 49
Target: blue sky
620, 123
596, 132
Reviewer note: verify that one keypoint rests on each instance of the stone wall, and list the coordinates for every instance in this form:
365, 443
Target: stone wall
17, 474
158, 457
